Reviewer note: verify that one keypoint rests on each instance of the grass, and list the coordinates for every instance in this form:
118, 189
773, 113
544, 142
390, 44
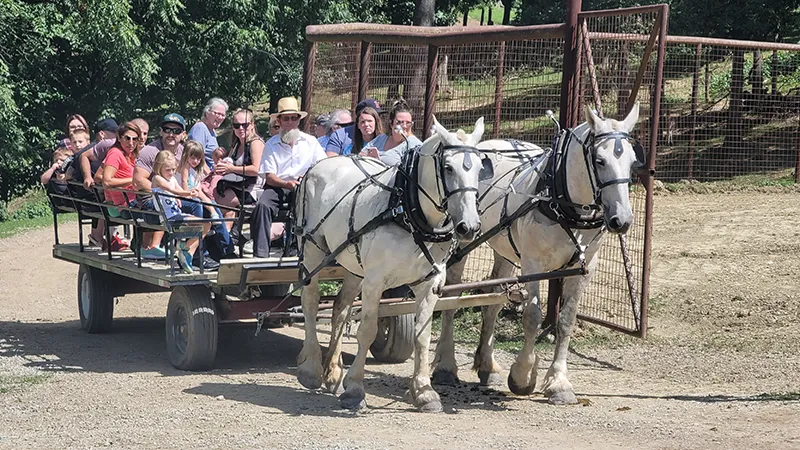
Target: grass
12, 227
9, 383
30, 211
497, 15
783, 179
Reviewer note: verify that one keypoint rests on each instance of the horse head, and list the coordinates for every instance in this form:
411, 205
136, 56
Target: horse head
615, 157
456, 173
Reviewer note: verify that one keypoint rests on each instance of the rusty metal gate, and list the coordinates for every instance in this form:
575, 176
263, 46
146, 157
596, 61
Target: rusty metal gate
510, 76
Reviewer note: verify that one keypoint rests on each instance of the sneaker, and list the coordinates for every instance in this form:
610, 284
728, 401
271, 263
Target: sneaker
185, 261
208, 264
117, 244
154, 253
97, 242
248, 248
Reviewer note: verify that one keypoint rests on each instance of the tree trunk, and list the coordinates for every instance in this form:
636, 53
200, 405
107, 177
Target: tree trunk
507, 6
424, 12
734, 129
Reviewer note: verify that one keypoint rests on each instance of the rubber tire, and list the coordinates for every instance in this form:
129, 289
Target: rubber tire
191, 328
96, 311
394, 342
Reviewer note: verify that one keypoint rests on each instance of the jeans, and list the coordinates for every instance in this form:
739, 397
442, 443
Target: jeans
219, 245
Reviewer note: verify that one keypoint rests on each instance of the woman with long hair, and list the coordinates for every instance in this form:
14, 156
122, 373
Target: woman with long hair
241, 180
391, 146
118, 171
368, 127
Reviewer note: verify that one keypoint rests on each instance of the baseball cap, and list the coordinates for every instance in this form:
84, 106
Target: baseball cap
175, 118
106, 125
322, 119
368, 102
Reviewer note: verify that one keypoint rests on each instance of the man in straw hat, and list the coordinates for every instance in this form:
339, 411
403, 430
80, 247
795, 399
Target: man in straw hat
287, 157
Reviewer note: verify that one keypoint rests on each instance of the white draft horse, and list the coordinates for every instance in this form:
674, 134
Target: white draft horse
594, 171
341, 197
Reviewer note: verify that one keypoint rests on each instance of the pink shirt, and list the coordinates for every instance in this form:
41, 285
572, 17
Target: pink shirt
117, 159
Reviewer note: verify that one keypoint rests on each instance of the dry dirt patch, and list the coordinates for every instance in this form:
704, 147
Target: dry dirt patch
719, 369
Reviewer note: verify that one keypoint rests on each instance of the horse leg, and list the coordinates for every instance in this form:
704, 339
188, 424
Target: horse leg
422, 393
332, 363
445, 368
309, 361
484, 363
354, 396
557, 387
522, 376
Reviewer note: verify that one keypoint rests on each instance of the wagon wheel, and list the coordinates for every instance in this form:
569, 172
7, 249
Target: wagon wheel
95, 300
394, 342
191, 328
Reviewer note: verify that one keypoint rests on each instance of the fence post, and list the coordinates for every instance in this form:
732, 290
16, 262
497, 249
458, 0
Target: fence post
363, 71
355, 89
308, 82
695, 93
567, 117
430, 88
663, 18
498, 88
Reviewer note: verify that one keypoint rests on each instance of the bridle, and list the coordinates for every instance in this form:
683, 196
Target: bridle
590, 156
440, 155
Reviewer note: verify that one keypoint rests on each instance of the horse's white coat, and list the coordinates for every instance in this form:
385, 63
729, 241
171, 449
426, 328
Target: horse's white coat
544, 246
389, 255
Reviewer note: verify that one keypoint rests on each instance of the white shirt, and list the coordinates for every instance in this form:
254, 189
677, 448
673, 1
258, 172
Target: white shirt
290, 163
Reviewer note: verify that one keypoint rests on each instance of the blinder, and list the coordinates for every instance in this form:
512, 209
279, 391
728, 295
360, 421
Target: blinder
487, 169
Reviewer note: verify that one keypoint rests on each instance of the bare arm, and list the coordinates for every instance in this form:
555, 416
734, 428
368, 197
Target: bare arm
161, 183
185, 177
274, 181
48, 174
86, 167
141, 178
109, 181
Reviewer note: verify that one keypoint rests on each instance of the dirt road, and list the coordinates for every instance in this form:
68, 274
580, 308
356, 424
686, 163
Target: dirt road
718, 371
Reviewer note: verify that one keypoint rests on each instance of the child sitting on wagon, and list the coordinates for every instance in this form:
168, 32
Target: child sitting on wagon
163, 181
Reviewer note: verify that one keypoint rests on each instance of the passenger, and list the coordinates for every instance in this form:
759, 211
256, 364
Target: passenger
204, 131
79, 139
76, 122
56, 173
240, 177
337, 119
163, 181
368, 126
287, 157
319, 128
172, 132
274, 126
341, 140
192, 170
91, 158
118, 173
391, 146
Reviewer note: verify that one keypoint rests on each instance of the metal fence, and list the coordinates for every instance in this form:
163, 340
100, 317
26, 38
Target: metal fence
730, 108
510, 76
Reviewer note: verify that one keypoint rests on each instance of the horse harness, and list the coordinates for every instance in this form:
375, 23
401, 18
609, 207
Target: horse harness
404, 208
553, 199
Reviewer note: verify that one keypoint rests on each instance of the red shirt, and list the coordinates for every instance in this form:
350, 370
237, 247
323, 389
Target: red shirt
116, 158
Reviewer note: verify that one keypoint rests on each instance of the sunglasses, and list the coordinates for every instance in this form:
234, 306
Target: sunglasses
130, 138
170, 130
240, 125
403, 123
290, 118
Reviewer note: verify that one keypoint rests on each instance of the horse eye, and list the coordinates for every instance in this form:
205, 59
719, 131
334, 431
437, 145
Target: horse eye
448, 168
600, 162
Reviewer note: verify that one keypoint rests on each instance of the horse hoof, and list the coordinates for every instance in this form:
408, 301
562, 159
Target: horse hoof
335, 388
490, 378
431, 407
353, 400
309, 381
445, 378
520, 390
562, 398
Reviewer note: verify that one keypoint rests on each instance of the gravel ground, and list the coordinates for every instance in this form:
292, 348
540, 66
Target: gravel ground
719, 369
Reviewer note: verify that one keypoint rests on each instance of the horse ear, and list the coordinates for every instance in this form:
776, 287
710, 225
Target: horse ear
591, 117
631, 118
477, 133
439, 129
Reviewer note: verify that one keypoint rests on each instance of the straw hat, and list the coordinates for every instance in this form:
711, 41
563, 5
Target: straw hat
288, 105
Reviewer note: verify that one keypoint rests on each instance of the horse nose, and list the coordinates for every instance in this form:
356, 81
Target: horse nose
618, 226
465, 232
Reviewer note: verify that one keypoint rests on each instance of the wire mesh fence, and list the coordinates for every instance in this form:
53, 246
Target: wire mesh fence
510, 82
729, 109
